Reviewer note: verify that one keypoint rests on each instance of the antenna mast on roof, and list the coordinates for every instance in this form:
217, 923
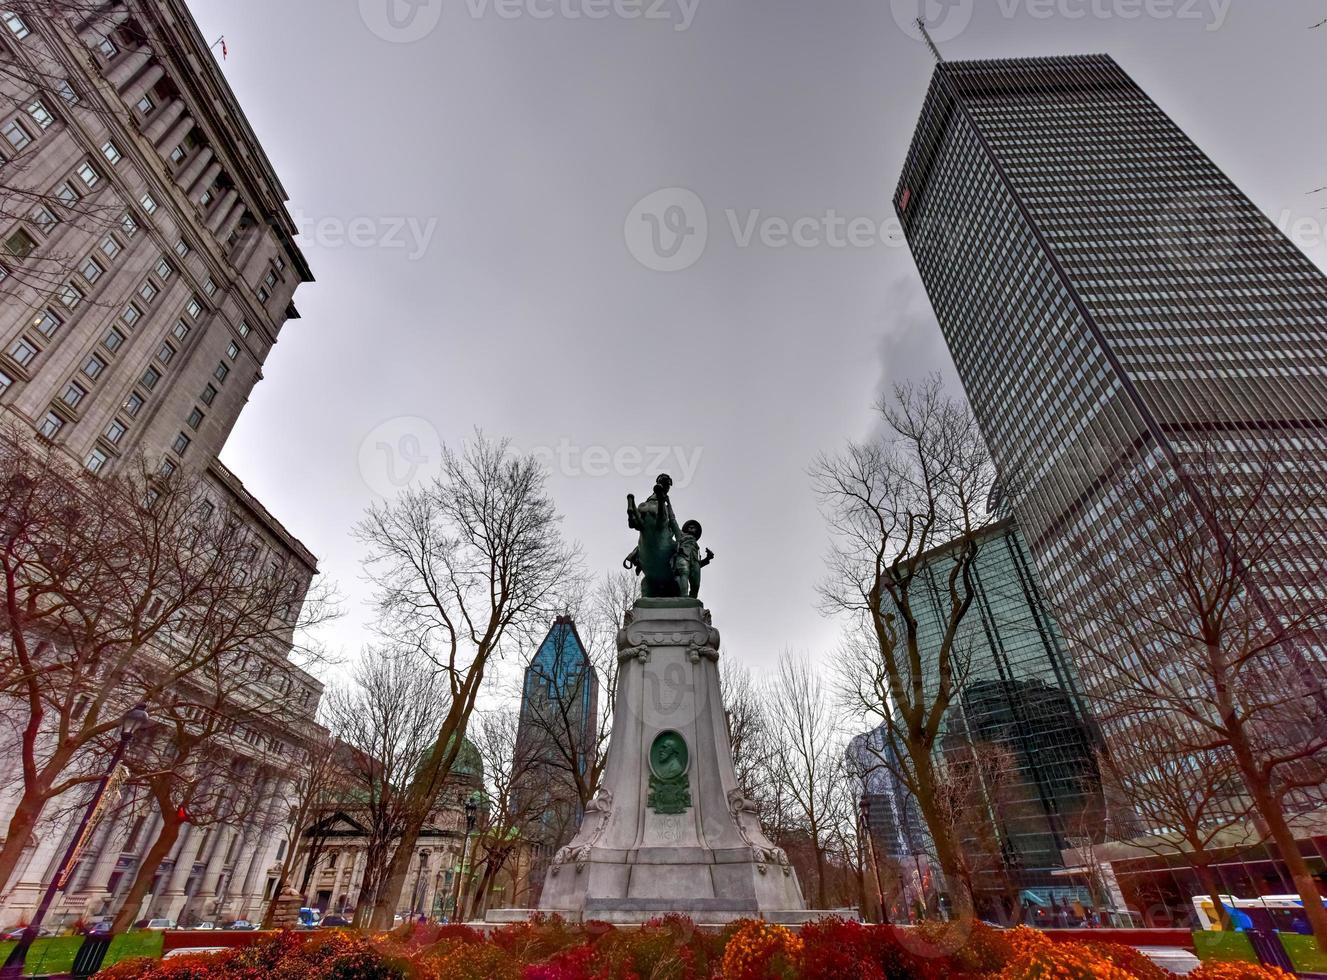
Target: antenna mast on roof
926, 36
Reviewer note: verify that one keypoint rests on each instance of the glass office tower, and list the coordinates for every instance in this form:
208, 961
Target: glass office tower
1116, 307
1021, 696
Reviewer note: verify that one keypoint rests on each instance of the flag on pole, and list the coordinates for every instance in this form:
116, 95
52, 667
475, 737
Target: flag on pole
224, 50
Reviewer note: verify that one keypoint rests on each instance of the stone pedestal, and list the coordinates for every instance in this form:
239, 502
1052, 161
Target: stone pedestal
670, 831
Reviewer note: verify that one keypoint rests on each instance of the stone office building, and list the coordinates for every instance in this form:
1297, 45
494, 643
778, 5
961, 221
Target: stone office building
147, 267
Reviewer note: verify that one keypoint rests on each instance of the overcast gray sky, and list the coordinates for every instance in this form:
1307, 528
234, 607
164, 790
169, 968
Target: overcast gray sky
465, 171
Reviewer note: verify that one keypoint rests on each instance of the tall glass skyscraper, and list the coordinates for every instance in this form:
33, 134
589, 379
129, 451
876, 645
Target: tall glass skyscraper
1115, 306
1020, 697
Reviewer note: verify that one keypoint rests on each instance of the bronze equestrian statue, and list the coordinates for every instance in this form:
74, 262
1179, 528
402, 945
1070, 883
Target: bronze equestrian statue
668, 557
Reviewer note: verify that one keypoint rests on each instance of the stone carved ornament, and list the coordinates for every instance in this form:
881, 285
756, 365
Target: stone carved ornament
747, 817
592, 828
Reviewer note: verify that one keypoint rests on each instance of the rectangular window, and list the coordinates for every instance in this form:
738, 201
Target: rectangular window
94, 366
244, 328
209, 286
270, 279
111, 152
70, 295
129, 225
195, 419
149, 204
46, 323
182, 248
20, 244
263, 294
67, 92
66, 193
131, 315
150, 378
51, 425
15, 24
22, 351
194, 307
164, 269
148, 291
110, 247
221, 372
115, 431
88, 175
91, 270
113, 340
209, 395
96, 461
167, 468
181, 444
181, 330
233, 351
40, 114
178, 154
73, 394
107, 48
16, 135
206, 200
166, 353
133, 404
5, 382
145, 105
44, 218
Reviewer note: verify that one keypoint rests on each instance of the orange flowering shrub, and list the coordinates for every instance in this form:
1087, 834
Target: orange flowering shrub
760, 951
1239, 971
1037, 958
1130, 961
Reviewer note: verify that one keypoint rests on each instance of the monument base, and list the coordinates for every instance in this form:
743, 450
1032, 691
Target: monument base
670, 831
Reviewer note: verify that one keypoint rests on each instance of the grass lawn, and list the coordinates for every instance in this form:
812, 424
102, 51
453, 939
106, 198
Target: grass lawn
54, 954
131, 944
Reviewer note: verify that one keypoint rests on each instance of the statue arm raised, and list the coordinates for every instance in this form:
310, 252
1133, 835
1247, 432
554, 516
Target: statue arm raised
633, 514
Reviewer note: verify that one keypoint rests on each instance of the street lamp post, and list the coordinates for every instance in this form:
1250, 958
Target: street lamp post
18, 956
471, 814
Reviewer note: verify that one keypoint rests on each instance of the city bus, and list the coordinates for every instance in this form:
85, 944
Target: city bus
1282, 913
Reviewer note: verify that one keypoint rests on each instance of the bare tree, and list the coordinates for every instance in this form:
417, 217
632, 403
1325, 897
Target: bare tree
747, 731
319, 791
904, 512
387, 719
501, 836
1212, 618
118, 590
465, 568
1182, 802
806, 753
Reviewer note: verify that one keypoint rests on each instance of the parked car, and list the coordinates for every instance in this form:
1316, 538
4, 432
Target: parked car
98, 929
159, 925
17, 934
202, 926
309, 918
334, 922
241, 925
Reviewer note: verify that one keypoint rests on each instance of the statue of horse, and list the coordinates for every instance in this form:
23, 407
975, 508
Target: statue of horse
654, 554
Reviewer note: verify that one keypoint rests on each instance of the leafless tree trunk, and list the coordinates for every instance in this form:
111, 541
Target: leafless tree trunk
808, 755
319, 790
891, 503
112, 598
387, 719
1213, 620
466, 567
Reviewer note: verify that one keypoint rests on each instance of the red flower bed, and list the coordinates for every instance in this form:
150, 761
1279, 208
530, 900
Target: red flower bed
674, 949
